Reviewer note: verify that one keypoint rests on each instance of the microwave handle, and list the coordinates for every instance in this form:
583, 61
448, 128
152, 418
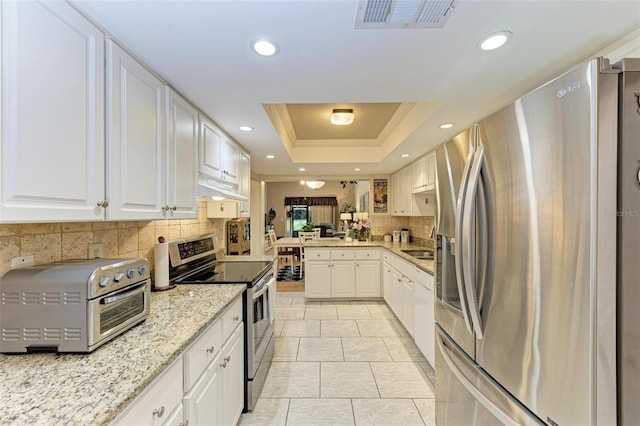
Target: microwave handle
115, 298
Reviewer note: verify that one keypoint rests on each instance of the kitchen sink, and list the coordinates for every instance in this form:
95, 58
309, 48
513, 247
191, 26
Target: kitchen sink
420, 254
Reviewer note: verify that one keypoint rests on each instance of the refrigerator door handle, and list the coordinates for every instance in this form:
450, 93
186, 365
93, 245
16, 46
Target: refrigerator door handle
483, 388
457, 244
468, 242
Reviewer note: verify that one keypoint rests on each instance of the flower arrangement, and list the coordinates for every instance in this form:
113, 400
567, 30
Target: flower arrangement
361, 229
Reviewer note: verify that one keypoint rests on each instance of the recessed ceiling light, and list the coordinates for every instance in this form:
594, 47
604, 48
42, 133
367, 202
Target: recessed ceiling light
356, 169
265, 47
246, 128
446, 125
404, 155
271, 156
495, 40
302, 169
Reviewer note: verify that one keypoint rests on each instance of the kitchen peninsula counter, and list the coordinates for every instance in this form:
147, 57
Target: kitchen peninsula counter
395, 248
94, 388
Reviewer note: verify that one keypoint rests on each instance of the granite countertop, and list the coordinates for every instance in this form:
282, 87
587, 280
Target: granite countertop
94, 388
395, 248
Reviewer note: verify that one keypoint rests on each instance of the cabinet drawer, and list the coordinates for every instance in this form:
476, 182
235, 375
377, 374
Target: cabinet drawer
314, 254
342, 254
365, 254
201, 352
158, 402
231, 318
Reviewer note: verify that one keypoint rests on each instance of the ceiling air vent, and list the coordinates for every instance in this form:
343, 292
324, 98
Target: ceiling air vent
378, 14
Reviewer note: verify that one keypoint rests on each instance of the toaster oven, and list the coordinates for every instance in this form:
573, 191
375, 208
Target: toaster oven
72, 306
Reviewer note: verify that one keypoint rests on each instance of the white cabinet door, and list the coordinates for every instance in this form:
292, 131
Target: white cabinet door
52, 156
219, 156
317, 281
233, 377
424, 322
229, 158
367, 278
430, 177
182, 158
343, 280
203, 404
244, 184
418, 174
135, 139
159, 403
210, 149
407, 316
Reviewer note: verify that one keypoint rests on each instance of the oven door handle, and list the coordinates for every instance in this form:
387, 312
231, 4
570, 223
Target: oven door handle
117, 297
263, 289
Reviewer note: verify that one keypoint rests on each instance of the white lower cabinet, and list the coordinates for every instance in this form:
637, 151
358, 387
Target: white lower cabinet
343, 280
342, 273
233, 378
159, 403
424, 319
407, 308
408, 291
205, 386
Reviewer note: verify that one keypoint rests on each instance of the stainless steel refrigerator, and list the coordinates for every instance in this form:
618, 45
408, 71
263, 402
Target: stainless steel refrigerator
537, 233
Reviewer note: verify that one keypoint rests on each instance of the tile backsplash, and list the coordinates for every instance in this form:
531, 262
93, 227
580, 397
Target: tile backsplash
51, 242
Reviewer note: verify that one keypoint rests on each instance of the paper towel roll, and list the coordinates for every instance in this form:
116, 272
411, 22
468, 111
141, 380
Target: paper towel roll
161, 272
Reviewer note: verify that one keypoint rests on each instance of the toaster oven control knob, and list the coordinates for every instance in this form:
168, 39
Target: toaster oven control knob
131, 273
103, 282
118, 276
142, 270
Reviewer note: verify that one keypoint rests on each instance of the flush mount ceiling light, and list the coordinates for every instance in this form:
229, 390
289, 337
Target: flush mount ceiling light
245, 128
314, 184
265, 47
271, 156
356, 169
495, 40
404, 155
302, 169
446, 125
342, 116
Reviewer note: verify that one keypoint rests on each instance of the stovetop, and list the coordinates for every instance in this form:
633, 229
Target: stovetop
221, 272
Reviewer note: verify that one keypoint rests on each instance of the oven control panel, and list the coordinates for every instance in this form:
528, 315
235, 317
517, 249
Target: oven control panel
118, 275
184, 251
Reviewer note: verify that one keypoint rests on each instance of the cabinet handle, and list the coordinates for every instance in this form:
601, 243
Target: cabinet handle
184, 423
165, 208
223, 364
174, 208
104, 203
236, 318
227, 358
210, 349
159, 412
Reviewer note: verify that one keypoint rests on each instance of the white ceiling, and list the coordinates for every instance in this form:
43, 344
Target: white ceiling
202, 49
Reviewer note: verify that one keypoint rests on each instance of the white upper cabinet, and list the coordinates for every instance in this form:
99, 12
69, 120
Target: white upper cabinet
423, 173
136, 162
218, 155
52, 150
244, 183
401, 195
182, 158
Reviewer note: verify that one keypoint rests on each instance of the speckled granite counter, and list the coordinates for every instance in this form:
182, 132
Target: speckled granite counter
395, 248
94, 388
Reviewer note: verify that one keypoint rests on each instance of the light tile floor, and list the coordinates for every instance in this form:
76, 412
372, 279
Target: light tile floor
343, 363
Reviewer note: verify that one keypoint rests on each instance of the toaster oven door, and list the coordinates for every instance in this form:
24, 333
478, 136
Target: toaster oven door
114, 313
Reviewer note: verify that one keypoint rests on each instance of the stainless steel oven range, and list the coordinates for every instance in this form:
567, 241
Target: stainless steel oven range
72, 306
193, 261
